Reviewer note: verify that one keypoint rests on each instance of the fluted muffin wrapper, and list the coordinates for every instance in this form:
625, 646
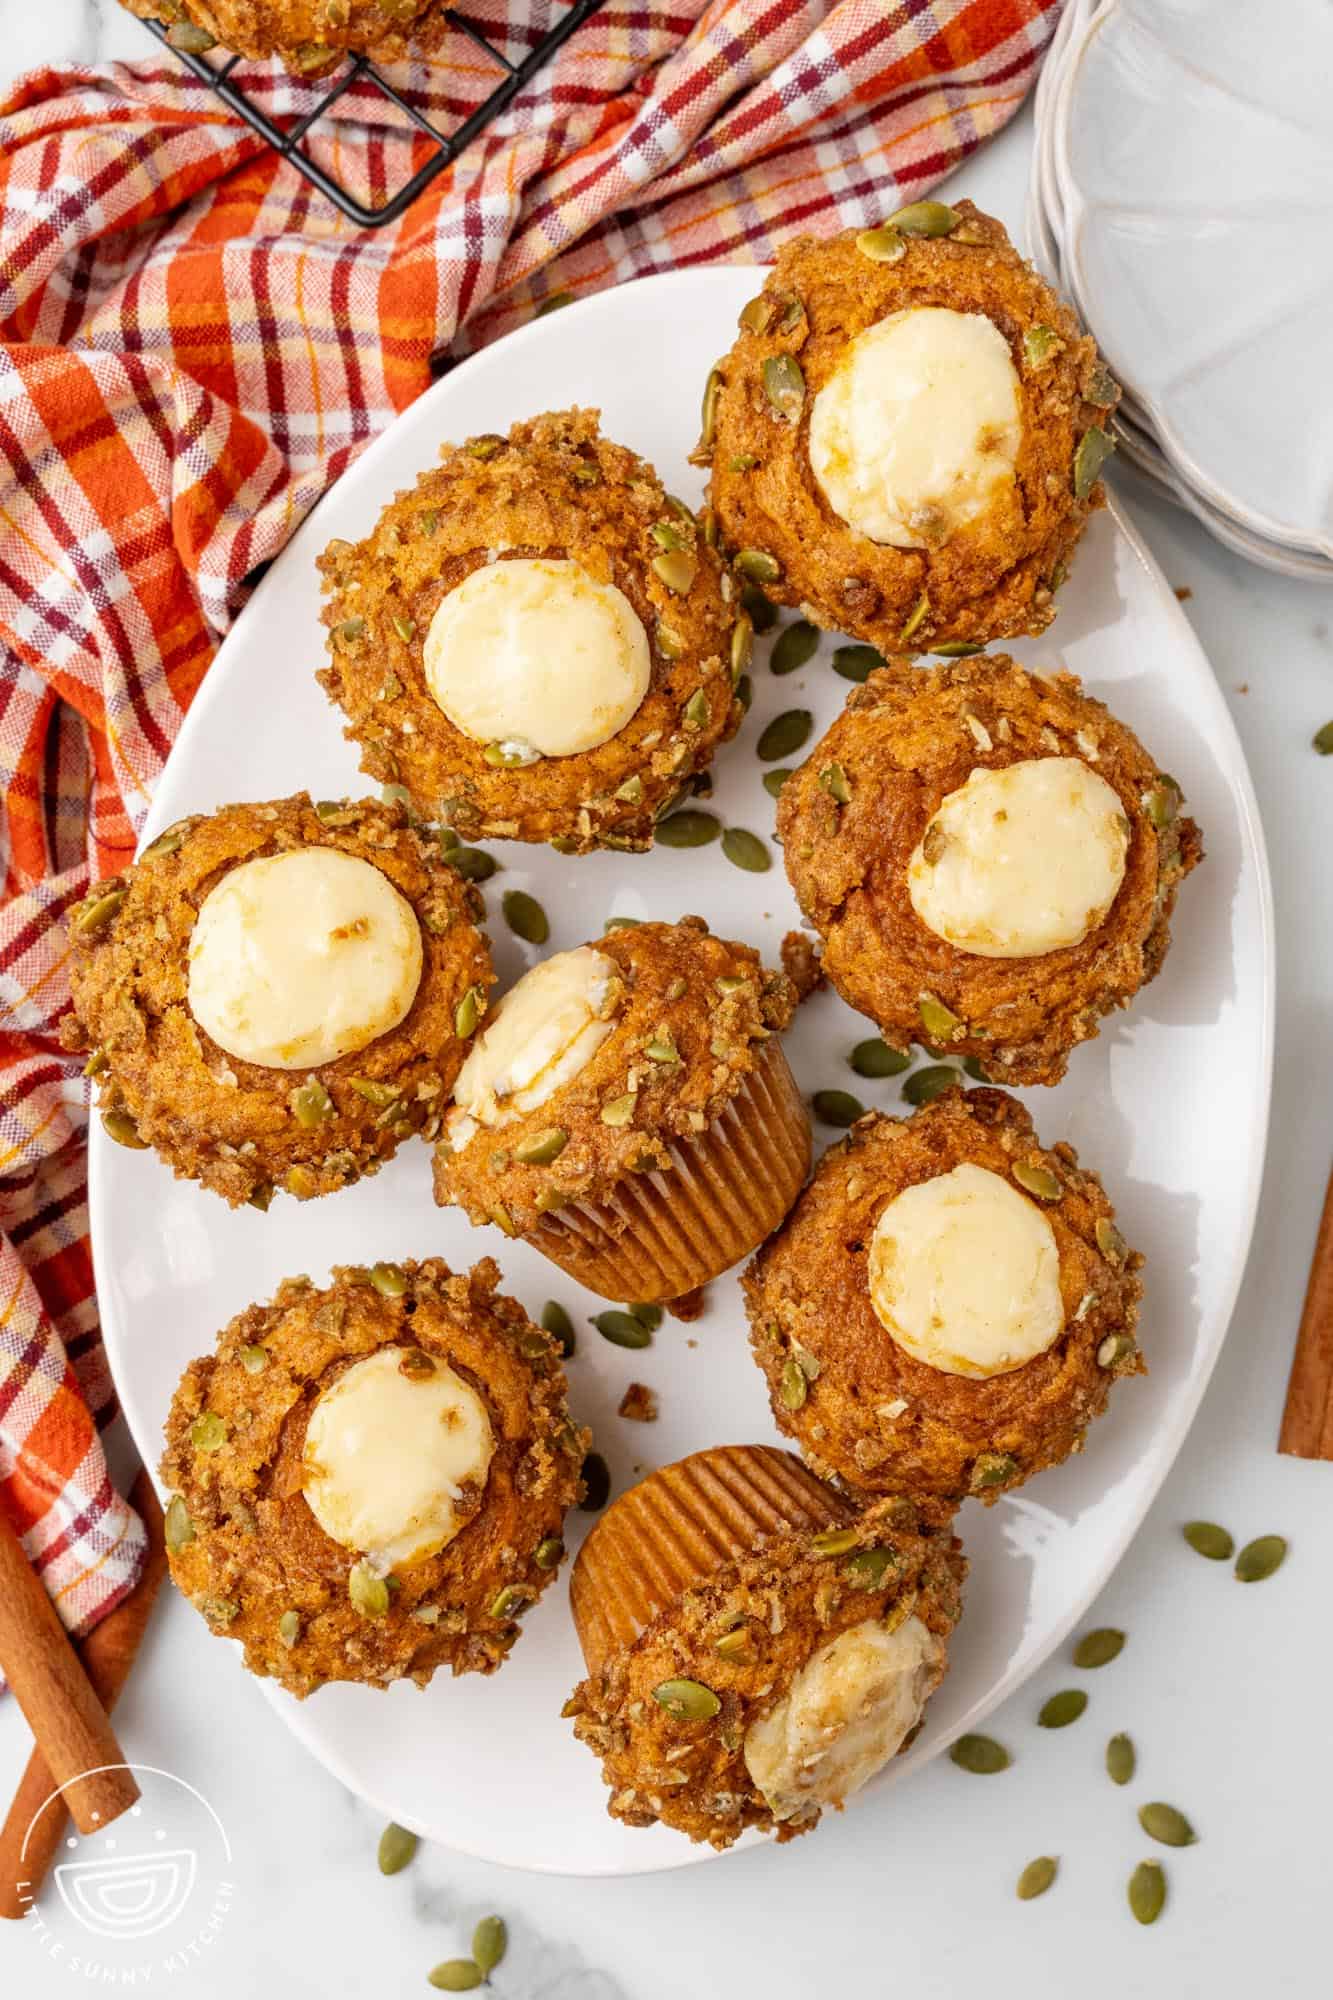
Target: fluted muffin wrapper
661, 1234
679, 1526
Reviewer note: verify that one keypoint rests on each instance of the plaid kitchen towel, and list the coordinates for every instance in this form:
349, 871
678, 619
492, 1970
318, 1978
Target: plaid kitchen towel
194, 344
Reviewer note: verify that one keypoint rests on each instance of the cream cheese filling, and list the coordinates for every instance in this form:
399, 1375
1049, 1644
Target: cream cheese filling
538, 1039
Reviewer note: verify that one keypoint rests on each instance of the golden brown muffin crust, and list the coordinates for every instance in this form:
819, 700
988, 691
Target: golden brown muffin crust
992, 579
555, 487
692, 1017
905, 740
232, 1124
249, 1553
310, 35
792, 1594
868, 1412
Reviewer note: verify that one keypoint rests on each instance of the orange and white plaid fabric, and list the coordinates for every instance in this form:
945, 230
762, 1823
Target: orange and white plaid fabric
194, 345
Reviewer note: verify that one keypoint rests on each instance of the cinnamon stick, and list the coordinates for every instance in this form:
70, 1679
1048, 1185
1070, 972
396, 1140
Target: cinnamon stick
1307, 1421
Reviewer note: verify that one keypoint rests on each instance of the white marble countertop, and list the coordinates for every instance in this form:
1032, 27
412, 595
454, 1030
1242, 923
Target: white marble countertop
1224, 1689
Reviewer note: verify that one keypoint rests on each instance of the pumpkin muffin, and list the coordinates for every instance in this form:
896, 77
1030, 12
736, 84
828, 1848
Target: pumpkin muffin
370, 1479
756, 1648
990, 858
275, 995
536, 641
627, 1109
310, 36
905, 438
948, 1304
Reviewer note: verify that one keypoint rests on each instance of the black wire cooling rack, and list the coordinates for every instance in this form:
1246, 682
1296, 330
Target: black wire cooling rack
289, 140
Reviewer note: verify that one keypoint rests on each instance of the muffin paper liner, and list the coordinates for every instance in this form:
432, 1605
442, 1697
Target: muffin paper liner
679, 1526
661, 1234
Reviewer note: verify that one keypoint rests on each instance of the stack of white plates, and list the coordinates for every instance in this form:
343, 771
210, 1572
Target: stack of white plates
1182, 197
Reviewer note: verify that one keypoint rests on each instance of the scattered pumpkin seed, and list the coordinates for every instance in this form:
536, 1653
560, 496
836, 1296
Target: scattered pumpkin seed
938, 1020
397, 1846
489, 1942
667, 536
1038, 1180
525, 916
688, 828
957, 649
1061, 1709
746, 850
1161, 801
867, 1569
289, 1628
548, 1552
118, 1125
620, 1110
311, 1103
368, 1592
981, 1755
1323, 740
834, 1541
631, 792
95, 915
350, 630
919, 613
1094, 448
596, 1477
737, 1647
876, 1057
774, 780
792, 1387
1099, 1648
460, 1975
1147, 1891
836, 783
760, 567
708, 408
837, 1107
469, 1011
166, 843
882, 246
1109, 1241
677, 570
1037, 1877
1207, 1539
925, 218
975, 1070
1120, 1759
686, 1701
190, 38
794, 647
622, 1329
756, 315
208, 1432
389, 1280
1165, 1823
542, 1147
856, 663
177, 1527
784, 386
785, 734
744, 692
474, 864
1116, 1347
507, 1603
662, 1047
698, 710
1039, 344
556, 1321
991, 1469
254, 1360
405, 628
1259, 1558
925, 1085
1102, 389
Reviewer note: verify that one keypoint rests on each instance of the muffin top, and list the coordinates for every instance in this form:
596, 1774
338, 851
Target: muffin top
536, 640
370, 1478
905, 437
946, 1305
990, 857
310, 36
275, 995
597, 1062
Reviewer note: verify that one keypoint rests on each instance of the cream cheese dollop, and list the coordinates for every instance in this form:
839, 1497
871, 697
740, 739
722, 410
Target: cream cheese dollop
299, 958
1022, 860
965, 1274
537, 1040
388, 1451
845, 1714
535, 655
917, 430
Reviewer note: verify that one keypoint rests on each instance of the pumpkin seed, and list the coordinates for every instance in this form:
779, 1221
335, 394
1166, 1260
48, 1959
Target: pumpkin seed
622, 1329
620, 1110
405, 628
762, 615
190, 39
957, 649
742, 461
792, 1387
708, 408
460, 1975
166, 843
469, 1011
938, 1020
690, 828
670, 643
837, 1107
556, 1321
548, 1552
311, 1103
1120, 1760
686, 1701
369, 1593
1116, 1347
397, 1846
677, 570
474, 864
489, 1941
981, 1755
919, 613
525, 916
925, 1085
389, 1280
836, 783
289, 1628
991, 1469
1323, 740
1109, 1241
662, 1047
760, 567
596, 1477
254, 1360
208, 1432
736, 1647
118, 1125
756, 315
784, 385
506, 1603
96, 914
667, 536
1165, 1823
1094, 448
1102, 389
785, 734
882, 246
794, 647
856, 663
98, 1060
744, 692
742, 645
746, 850
1207, 1539
1037, 1877
1039, 344
542, 1147
1161, 801
698, 710
867, 1569
774, 780
974, 1069
631, 792
510, 759
1038, 1180
1147, 1891
219, 1610
834, 1541
925, 218
1099, 1648
876, 1057
415, 1365
177, 1527
1259, 1559
1061, 1709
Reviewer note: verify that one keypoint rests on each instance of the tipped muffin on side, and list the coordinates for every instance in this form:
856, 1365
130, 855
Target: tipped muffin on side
947, 1306
370, 1478
628, 1110
905, 438
275, 995
990, 858
536, 640
756, 1649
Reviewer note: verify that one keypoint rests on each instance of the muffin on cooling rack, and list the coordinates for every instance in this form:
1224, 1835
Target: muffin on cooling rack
947, 1306
536, 640
310, 36
756, 1648
905, 437
369, 1479
275, 995
990, 858
627, 1109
